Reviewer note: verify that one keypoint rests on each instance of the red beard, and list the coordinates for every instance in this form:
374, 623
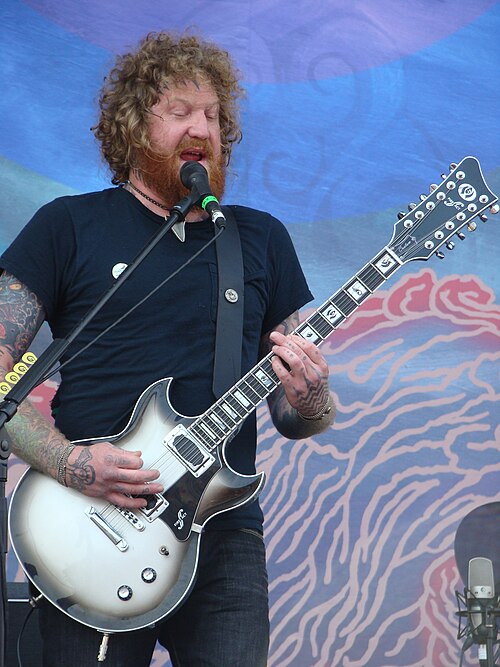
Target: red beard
160, 172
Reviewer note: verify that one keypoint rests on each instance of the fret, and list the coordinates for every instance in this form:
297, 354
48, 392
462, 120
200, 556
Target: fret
371, 277
219, 423
266, 366
237, 406
265, 379
357, 290
332, 314
226, 418
344, 302
249, 391
257, 387
308, 332
214, 424
386, 263
203, 436
242, 397
228, 409
320, 324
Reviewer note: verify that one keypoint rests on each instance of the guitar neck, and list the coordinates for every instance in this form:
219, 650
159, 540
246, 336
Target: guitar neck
462, 196
225, 416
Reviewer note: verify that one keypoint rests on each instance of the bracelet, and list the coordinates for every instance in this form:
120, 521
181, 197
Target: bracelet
325, 410
62, 463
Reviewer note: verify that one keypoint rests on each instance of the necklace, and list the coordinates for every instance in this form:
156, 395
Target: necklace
143, 194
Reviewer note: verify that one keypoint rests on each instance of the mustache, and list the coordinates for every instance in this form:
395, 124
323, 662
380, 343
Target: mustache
185, 145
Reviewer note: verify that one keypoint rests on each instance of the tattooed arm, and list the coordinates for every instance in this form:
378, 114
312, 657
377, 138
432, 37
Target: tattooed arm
302, 405
99, 470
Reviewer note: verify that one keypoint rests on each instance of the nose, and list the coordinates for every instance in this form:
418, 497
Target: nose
198, 127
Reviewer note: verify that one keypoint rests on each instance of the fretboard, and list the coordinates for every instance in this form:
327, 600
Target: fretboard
225, 416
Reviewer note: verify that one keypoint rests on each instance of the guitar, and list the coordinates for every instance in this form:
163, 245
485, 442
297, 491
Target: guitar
117, 570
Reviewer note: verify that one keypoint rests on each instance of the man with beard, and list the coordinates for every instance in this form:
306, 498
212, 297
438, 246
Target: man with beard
173, 100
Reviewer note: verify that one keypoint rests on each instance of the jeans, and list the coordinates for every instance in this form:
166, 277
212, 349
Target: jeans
223, 623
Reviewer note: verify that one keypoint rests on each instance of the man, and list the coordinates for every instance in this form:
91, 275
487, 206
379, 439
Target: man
172, 101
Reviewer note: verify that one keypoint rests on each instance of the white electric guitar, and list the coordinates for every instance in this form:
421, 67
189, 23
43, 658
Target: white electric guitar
117, 570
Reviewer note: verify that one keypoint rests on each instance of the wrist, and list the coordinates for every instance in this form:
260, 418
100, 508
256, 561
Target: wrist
62, 464
322, 413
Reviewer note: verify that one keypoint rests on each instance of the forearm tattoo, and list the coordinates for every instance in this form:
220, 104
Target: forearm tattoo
285, 417
21, 313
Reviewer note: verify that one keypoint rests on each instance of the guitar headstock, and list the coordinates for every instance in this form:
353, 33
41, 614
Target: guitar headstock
462, 196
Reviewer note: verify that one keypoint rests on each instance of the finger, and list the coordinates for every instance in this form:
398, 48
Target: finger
143, 489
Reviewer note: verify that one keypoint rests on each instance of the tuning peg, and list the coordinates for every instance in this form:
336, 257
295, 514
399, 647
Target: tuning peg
443, 176
401, 214
450, 245
433, 187
483, 217
461, 236
453, 166
423, 197
472, 226
411, 206
494, 209
439, 254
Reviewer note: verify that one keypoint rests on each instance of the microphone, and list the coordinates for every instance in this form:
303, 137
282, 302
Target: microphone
194, 177
481, 608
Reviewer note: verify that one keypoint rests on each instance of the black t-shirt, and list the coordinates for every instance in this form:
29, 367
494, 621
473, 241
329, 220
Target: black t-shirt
66, 255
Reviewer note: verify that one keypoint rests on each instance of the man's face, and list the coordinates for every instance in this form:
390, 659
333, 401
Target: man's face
184, 125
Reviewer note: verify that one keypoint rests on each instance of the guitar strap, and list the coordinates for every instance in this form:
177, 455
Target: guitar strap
229, 328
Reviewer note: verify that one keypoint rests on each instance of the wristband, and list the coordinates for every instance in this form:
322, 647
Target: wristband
325, 410
62, 463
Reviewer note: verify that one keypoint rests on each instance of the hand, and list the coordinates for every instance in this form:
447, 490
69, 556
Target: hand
116, 475
302, 370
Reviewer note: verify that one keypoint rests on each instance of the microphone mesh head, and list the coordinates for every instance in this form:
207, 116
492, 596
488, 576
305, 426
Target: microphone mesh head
481, 582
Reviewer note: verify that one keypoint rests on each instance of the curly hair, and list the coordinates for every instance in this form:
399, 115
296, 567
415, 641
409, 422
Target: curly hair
136, 82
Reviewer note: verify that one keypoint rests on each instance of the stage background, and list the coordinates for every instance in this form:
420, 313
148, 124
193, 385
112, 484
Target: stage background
353, 110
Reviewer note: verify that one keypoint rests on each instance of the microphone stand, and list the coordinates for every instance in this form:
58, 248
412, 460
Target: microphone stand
36, 373
485, 635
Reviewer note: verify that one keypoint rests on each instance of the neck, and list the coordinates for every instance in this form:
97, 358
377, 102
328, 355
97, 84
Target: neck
151, 200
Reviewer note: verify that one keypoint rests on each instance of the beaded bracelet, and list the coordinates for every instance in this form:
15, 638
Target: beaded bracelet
62, 463
325, 410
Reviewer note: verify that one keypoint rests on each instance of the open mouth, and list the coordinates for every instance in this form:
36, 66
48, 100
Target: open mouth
192, 154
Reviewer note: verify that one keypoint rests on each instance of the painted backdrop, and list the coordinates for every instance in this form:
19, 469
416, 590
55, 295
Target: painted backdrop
353, 110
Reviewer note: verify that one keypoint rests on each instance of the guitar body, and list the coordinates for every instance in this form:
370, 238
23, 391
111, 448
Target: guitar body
113, 569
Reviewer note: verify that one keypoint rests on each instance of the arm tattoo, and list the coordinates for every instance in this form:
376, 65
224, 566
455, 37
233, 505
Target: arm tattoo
81, 473
21, 314
284, 416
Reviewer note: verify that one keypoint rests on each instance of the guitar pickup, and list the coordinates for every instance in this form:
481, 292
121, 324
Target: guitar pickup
188, 450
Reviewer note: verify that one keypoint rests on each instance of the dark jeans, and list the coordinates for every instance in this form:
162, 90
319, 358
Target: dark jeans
223, 623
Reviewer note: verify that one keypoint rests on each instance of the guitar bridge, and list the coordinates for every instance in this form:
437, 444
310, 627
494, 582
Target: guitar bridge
188, 450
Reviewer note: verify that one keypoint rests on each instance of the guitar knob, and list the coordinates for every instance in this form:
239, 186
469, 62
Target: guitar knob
401, 214
148, 575
461, 236
439, 254
472, 226
450, 245
124, 593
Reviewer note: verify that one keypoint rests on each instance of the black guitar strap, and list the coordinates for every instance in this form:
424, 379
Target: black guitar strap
229, 331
